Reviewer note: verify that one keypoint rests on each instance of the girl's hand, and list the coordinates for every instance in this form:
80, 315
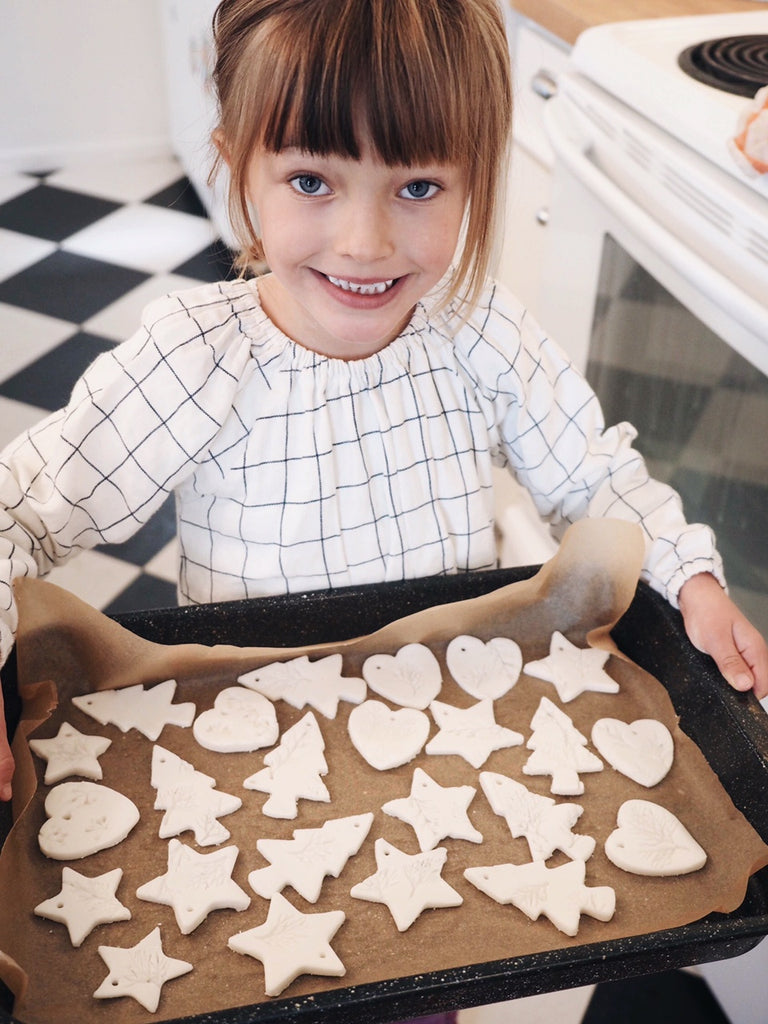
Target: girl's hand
6, 757
716, 627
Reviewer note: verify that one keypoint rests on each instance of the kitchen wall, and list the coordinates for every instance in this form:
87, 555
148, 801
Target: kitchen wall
80, 80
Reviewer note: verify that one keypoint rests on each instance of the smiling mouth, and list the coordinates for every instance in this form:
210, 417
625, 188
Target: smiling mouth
369, 288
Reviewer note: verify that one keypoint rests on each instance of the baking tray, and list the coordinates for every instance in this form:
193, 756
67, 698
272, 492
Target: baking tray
730, 728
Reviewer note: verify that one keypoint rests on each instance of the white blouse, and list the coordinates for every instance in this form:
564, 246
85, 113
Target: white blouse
295, 471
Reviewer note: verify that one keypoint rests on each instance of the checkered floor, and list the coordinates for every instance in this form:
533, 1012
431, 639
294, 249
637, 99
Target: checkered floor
82, 251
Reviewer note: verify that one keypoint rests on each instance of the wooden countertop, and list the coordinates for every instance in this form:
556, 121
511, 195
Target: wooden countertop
567, 18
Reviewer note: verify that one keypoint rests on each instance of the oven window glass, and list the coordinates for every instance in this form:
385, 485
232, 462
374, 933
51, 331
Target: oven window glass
701, 411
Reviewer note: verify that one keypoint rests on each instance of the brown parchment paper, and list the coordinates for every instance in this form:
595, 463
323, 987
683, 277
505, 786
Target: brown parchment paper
66, 648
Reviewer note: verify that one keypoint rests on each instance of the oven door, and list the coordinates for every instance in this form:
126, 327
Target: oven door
670, 344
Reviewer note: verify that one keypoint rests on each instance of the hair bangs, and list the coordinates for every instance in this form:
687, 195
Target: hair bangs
334, 79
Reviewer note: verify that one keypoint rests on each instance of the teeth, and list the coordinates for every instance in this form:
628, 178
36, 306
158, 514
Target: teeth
376, 288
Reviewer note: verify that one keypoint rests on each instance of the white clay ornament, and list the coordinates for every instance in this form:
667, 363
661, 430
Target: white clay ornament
485, 670
85, 902
189, 800
557, 893
313, 854
435, 812
642, 750
147, 710
546, 824
291, 943
573, 670
71, 752
471, 733
407, 884
652, 841
385, 738
304, 683
196, 884
559, 750
410, 678
139, 971
293, 770
240, 721
84, 818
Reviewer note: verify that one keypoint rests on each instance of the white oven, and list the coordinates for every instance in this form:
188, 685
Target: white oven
656, 276
656, 282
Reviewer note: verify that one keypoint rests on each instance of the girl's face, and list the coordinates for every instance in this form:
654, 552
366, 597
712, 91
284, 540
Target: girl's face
352, 244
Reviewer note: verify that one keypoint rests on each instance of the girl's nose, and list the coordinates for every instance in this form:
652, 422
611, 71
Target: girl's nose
365, 233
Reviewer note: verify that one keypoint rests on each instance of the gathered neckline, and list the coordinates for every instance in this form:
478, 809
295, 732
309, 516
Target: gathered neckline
264, 333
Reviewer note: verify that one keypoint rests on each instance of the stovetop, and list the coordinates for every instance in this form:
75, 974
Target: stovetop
735, 64
639, 62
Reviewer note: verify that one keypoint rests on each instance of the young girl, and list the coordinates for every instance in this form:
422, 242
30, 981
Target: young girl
336, 421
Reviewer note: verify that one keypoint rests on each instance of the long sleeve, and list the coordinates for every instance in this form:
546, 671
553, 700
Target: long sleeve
552, 433
95, 471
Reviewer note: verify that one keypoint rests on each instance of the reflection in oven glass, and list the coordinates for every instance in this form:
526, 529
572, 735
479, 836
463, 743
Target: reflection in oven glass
701, 411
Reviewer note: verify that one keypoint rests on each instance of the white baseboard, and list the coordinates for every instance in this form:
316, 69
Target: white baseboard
37, 159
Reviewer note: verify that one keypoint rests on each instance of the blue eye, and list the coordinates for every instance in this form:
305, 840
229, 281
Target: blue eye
420, 190
309, 185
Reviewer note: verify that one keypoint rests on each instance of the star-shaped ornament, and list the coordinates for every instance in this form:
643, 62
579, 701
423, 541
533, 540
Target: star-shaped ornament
133, 707
407, 884
84, 903
557, 893
70, 752
139, 971
291, 943
573, 670
472, 732
435, 812
195, 884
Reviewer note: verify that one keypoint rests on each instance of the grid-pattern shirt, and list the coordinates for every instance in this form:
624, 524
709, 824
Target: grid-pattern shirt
296, 471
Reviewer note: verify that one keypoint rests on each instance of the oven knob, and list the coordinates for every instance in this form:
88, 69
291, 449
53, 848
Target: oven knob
544, 84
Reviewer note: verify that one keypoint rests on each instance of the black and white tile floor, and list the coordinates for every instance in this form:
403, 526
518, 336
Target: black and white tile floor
82, 250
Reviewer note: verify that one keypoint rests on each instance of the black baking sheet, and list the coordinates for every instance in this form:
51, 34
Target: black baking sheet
730, 728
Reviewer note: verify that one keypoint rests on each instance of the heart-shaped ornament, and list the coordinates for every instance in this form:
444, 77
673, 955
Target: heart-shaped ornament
386, 738
240, 720
486, 670
84, 818
642, 750
650, 840
410, 678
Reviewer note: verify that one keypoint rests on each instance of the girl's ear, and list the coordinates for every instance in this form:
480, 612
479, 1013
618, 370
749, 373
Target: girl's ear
217, 137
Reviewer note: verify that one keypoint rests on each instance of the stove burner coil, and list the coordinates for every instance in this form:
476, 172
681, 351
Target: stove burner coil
735, 64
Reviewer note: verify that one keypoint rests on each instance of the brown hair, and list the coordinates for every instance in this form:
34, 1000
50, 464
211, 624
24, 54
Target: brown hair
430, 77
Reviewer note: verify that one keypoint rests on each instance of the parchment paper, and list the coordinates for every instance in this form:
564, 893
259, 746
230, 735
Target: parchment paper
66, 647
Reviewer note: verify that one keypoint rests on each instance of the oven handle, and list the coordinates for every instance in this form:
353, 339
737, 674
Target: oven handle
744, 309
